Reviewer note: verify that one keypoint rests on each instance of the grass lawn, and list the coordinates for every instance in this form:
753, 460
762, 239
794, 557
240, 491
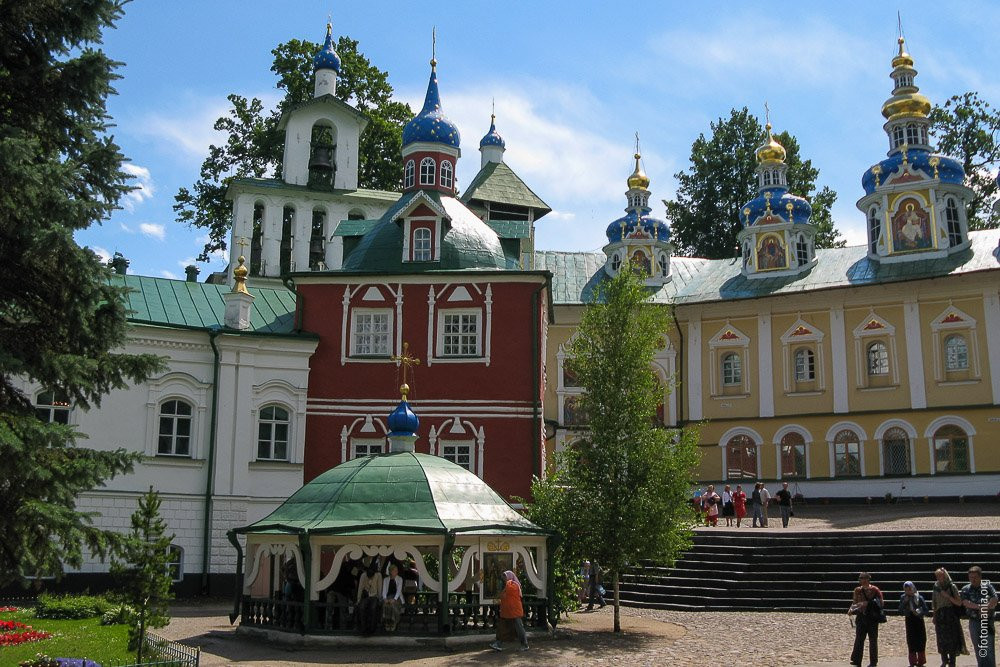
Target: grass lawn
85, 638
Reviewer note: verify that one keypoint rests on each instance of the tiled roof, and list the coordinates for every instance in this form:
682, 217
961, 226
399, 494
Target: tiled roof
496, 182
511, 229
200, 305
575, 274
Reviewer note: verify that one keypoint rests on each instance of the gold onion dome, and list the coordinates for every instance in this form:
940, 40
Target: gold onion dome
905, 104
638, 180
771, 150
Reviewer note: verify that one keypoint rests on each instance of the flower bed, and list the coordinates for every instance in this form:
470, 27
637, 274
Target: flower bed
8, 610
13, 633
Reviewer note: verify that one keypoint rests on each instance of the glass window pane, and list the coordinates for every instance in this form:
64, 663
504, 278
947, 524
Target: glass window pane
264, 449
183, 426
182, 446
281, 451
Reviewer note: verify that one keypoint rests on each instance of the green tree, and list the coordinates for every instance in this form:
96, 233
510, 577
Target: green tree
620, 494
704, 217
63, 322
253, 145
143, 574
968, 129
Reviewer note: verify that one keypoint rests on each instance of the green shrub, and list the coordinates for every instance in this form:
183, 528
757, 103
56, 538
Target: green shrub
71, 607
120, 614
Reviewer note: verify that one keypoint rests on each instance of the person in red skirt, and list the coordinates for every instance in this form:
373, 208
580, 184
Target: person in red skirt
712, 502
739, 504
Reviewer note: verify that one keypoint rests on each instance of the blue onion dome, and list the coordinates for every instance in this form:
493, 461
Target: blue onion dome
492, 137
775, 205
638, 226
431, 125
402, 421
948, 170
326, 57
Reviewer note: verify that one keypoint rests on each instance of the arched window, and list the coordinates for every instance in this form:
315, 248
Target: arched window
956, 353
874, 229
878, 359
447, 174
767, 177
847, 454
287, 238
805, 365
923, 135
427, 171
256, 239
174, 436
741, 458
272, 434
951, 218
52, 407
896, 452
662, 262
616, 262
746, 254
793, 455
904, 80
898, 138
422, 244
951, 450
732, 370
912, 134
317, 240
802, 250
408, 174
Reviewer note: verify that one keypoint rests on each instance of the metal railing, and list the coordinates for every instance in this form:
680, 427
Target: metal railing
162, 653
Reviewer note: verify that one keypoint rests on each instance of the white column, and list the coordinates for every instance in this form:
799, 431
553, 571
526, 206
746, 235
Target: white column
303, 237
838, 358
271, 240
765, 365
694, 369
991, 306
914, 354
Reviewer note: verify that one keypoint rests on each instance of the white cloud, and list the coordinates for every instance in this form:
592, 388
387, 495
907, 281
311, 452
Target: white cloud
143, 184
102, 253
126, 228
169, 274
157, 231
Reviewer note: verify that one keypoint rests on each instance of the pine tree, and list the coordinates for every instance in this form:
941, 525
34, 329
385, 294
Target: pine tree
63, 321
253, 146
620, 494
143, 575
704, 218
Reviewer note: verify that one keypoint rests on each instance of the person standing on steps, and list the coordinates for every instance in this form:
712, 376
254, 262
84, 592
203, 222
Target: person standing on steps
947, 626
755, 504
728, 509
739, 504
712, 503
980, 601
784, 497
765, 499
867, 606
913, 608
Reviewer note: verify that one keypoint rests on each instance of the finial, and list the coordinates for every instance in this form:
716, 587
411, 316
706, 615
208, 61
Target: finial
934, 162
493, 108
637, 145
329, 25
434, 61
767, 117
899, 30
876, 172
405, 361
788, 207
240, 276
904, 148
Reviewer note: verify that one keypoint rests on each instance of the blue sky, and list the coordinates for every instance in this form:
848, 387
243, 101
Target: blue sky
573, 82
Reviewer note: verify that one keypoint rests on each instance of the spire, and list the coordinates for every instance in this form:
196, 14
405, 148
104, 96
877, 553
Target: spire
638, 179
492, 145
326, 66
770, 151
431, 125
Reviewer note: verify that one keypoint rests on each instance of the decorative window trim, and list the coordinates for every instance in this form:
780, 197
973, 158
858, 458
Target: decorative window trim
428, 176
728, 339
422, 248
724, 444
803, 335
879, 436
368, 428
293, 399
831, 435
951, 420
807, 441
435, 324
53, 407
346, 322
443, 314
355, 313
953, 320
447, 174
272, 441
870, 328
177, 386
435, 224
368, 444
409, 174
175, 418
457, 432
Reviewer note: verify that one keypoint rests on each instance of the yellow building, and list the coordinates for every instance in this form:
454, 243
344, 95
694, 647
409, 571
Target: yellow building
850, 372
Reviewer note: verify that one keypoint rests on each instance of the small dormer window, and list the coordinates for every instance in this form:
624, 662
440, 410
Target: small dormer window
408, 174
428, 171
898, 138
447, 174
951, 218
874, 229
422, 251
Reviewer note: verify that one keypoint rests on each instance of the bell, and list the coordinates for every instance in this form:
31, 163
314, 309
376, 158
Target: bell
321, 158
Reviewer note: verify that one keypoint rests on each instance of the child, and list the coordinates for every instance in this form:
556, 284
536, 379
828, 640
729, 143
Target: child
913, 607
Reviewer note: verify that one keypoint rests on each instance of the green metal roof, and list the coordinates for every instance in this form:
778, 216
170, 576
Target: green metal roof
467, 242
267, 184
354, 227
576, 274
496, 182
511, 229
401, 493
168, 302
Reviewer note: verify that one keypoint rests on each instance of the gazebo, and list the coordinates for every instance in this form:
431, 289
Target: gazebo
459, 534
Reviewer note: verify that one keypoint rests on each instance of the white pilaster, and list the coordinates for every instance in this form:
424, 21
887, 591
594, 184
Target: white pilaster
914, 354
765, 365
302, 238
991, 307
695, 411
271, 240
838, 358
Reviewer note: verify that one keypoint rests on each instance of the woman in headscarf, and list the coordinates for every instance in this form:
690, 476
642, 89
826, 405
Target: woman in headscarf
947, 625
913, 608
511, 611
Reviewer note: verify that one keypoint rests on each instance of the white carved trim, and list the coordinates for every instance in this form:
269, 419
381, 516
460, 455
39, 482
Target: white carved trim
463, 569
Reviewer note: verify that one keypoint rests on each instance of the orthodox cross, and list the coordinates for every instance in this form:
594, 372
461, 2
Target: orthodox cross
405, 361
434, 61
767, 114
636, 142
242, 243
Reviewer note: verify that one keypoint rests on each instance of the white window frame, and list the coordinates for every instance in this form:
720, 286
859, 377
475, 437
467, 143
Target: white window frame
953, 222
356, 314
951, 420
959, 360
806, 371
53, 407
423, 248
950, 322
468, 447
428, 171
189, 418
443, 315
862, 437
409, 174
728, 339
874, 230
367, 444
874, 327
732, 372
272, 441
447, 174
178, 575
803, 335
183, 386
877, 351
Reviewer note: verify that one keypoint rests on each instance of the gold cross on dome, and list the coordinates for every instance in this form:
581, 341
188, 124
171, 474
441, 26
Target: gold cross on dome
767, 114
242, 243
405, 361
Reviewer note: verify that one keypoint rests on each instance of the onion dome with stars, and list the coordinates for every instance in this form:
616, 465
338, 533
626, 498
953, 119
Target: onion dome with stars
327, 57
637, 223
773, 203
907, 114
492, 138
431, 125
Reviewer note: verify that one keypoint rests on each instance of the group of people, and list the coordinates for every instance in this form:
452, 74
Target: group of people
592, 585
976, 601
732, 505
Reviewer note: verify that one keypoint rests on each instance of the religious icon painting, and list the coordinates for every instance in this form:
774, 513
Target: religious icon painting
771, 253
641, 262
911, 227
494, 565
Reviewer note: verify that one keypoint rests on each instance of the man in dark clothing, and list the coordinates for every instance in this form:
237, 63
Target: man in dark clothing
784, 503
596, 589
867, 606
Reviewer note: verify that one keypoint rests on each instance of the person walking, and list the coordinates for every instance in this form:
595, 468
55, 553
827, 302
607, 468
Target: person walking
712, 503
867, 606
596, 587
511, 612
765, 500
728, 510
755, 505
980, 601
784, 497
739, 504
913, 608
947, 626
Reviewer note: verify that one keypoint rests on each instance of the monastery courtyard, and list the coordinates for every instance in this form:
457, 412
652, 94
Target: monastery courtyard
651, 637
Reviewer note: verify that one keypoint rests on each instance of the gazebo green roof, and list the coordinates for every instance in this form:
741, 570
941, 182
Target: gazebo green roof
403, 493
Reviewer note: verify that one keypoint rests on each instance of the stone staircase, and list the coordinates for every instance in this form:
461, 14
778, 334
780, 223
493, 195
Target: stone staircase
805, 571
